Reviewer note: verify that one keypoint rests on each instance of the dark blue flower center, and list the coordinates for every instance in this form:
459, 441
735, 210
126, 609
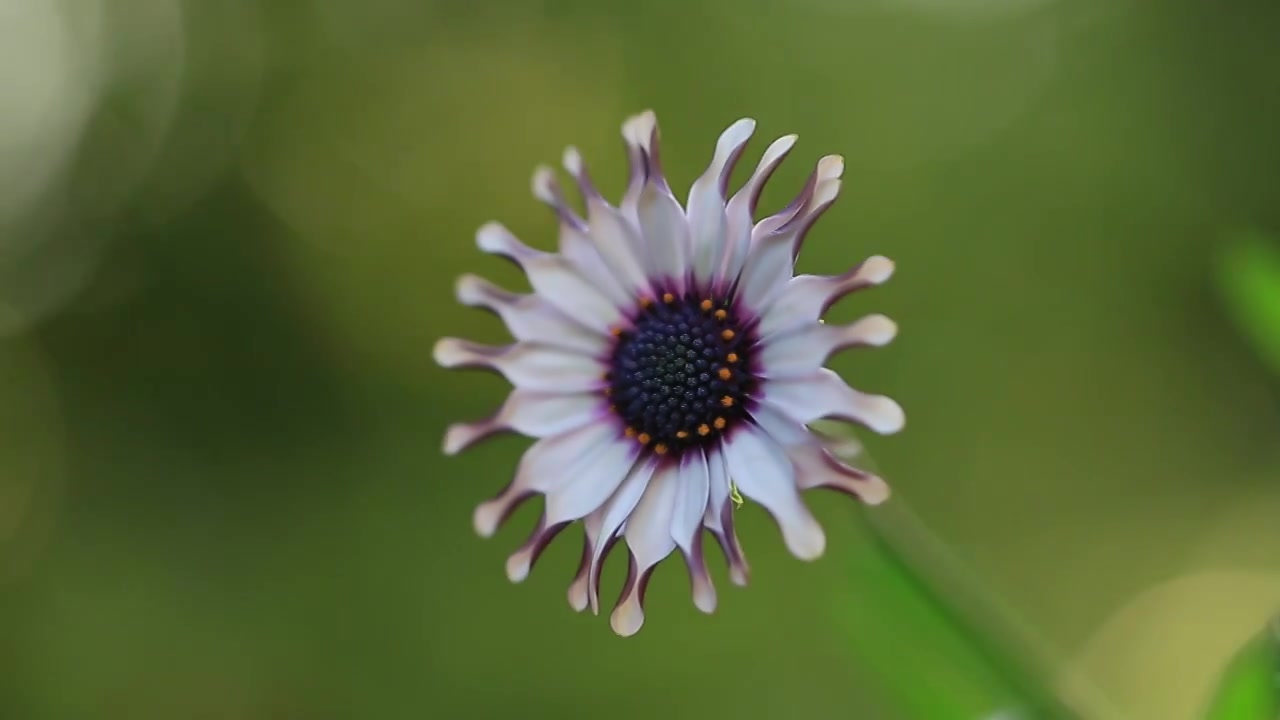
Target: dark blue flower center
681, 375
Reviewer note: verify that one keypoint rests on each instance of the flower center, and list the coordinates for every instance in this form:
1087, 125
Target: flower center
680, 377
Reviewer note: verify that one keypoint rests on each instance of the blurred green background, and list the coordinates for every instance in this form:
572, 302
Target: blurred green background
228, 238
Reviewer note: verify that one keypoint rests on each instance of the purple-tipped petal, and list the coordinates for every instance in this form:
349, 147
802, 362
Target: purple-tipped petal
577, 593
740, 212
806, 350
529, 317
554, 278
521, 561
546, 465
806, 298
823, 394
719, 517
763, 472
526, 365
609, 520
817, 468
648, 536
707, 219
530, 413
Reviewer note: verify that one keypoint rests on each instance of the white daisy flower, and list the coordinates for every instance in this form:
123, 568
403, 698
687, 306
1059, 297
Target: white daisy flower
666, 359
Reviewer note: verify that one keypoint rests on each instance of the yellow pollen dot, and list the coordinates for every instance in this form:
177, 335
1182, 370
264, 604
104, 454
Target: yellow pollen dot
668, 298
682, 434
720, 423
646, 302
732, 357
725, 374
608, 391
726, 401
721, 314
631, 432
644, 438
660, 449
706, 305
727, 334
616, 332
704, 429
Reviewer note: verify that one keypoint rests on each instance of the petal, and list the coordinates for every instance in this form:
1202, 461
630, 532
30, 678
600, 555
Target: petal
719, 517
771, 258
640, 133
578, 588
806, 398
544, 466
616, 239
592, 482
707, 219
742, 207
529, 317
530, 413
691, 500
805, 350
610, 519
648, 536
575, 246
686, 527
763, 472
554, 278
817, 468
521, 561
528, 366
666, 234
806, 298
547, 189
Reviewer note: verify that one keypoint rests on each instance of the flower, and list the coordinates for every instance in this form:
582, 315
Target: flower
666, 359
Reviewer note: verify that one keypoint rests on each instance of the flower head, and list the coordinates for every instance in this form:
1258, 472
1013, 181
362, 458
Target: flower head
667, 358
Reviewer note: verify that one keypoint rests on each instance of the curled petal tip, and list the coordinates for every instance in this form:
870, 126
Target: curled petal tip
830, 167
572, 161
467, 288
808, 545
887, 416
878, 269
492, 237
448, 352
518, 566
877, 330
456, 438
486, 518
543, 184
874, 491
627, 619
578, 596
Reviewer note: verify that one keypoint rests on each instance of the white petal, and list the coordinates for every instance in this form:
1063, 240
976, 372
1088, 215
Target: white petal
707, 218
582, 254
554, 278
609, 519
544, 466
530, 413
547, 189
823, 394
764, 473
520, 562
816, 468
592, 482
648, 536
806, 298
577, 593
529, 317
741, 209
691, 500
805, 350
771, 258
526, 365
779, 426
666, 234
639, 133
615, 238
719, 517
686, 527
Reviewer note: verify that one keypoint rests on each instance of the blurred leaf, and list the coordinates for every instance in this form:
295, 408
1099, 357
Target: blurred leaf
1250, 688
1249, 278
